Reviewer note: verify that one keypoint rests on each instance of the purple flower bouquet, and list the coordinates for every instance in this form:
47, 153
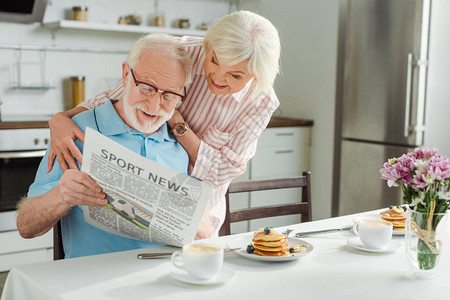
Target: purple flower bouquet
424, 177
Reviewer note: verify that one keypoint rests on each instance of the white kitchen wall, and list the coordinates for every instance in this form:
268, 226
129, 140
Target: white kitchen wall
102, 70
306, 86
438, 96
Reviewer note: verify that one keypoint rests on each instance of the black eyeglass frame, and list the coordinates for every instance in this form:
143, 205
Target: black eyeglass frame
137, 82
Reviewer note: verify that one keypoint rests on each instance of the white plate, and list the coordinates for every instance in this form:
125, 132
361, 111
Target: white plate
357, 244
243, 242
224, 275
378, 216
398, 232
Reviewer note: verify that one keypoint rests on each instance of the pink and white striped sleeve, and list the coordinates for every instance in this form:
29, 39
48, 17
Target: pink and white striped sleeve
218, 166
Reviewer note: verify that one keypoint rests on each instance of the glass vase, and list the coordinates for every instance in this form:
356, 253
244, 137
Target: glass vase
424, 236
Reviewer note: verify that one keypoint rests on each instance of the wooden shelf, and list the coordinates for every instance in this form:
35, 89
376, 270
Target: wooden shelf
32, 87
66, 24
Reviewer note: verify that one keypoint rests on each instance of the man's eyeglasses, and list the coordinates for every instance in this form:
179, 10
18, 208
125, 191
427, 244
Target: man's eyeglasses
148, 90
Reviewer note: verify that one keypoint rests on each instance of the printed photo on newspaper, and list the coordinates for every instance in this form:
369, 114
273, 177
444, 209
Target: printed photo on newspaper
146, 200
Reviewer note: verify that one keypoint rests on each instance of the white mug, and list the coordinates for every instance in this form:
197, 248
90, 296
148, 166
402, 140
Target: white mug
373, 233
199, 260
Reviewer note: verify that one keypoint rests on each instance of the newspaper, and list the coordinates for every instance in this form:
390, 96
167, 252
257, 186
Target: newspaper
146, 201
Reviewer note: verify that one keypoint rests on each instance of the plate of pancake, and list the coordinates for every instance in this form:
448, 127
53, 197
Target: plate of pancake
397, 216
268, 245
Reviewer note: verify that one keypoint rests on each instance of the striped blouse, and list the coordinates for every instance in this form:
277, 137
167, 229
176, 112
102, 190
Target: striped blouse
228, 126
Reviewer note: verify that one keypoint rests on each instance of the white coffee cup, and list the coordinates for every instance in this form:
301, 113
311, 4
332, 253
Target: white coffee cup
373, 233
199, 260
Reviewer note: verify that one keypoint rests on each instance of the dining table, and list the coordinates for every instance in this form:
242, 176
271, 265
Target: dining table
331, 269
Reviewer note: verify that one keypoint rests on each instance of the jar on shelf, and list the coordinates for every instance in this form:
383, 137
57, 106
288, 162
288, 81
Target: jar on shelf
77, 89
159, 20
203, 26
80, 13
182, 23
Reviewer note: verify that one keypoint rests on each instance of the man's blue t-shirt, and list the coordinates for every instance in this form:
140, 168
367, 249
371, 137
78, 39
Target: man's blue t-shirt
79, 237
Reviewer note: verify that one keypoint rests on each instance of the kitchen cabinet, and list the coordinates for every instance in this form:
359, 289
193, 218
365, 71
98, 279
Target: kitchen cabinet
282, 152
16, 250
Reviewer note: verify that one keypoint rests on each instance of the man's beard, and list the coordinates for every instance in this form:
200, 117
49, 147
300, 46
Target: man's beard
148, 126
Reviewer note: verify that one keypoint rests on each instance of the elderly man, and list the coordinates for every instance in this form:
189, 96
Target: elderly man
154, 75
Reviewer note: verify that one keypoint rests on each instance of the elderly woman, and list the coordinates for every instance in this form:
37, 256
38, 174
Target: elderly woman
228, 104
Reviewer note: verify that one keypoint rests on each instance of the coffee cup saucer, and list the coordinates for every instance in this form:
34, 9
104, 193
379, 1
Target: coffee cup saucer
357, 244
224, 275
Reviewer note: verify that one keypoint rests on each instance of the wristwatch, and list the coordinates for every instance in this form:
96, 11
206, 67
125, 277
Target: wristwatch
180, 129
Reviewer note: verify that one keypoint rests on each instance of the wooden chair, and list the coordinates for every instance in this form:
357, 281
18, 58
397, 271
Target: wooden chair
58, 250
303, 208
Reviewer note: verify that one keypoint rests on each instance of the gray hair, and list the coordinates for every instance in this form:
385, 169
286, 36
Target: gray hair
245, 35
161, 44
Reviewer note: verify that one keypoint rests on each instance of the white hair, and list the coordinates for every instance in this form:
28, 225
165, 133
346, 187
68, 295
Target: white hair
161, 44
245, 35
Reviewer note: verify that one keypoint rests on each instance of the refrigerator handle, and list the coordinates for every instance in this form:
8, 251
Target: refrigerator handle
408, 94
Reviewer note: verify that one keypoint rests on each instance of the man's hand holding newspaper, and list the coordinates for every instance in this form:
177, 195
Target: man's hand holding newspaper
146, 200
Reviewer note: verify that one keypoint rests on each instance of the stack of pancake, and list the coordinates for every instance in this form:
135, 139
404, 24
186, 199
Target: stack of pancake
271, 244
395, 215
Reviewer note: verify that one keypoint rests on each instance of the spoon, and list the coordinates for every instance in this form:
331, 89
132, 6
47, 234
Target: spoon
163, 254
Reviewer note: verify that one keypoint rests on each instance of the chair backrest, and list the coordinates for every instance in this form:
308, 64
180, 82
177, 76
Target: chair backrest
58, 250
303, 208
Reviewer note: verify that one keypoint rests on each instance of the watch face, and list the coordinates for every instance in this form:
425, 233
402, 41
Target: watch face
180, 129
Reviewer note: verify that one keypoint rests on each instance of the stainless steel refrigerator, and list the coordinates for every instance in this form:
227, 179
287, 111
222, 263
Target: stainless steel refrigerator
382, 101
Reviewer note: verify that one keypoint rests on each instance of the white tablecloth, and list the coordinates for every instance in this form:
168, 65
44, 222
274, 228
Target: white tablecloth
332, 270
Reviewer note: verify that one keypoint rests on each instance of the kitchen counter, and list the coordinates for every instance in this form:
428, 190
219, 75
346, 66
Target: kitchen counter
274, 122
22, 125
287, 122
